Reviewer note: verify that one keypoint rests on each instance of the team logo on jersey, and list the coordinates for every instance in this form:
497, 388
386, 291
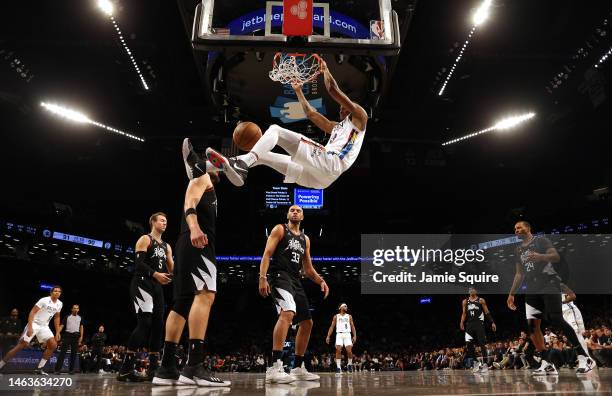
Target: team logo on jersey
472, 307
159, 252
295, 245
528, 264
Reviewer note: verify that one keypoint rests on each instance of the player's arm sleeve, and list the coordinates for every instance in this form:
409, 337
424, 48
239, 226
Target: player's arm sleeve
140, 256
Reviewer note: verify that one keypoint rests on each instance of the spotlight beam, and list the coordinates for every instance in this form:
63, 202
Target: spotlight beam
501, 125
480, 16
107, 8
76, 116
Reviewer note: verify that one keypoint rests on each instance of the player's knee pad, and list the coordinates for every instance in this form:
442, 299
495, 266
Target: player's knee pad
182, 305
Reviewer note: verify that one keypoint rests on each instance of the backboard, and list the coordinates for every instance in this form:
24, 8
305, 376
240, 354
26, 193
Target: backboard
367, 27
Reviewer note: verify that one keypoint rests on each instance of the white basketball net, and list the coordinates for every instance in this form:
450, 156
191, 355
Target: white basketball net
295, 68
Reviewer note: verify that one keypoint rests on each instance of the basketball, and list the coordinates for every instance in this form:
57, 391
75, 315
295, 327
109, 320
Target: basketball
246, 134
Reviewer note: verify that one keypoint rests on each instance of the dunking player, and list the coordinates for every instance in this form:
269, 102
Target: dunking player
195, 284
38, 326
343, 322
536, 256
290, 248
154, 267
474, 310
308, 164
573, 316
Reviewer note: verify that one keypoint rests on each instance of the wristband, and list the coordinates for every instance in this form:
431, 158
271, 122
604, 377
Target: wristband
263, 276
190, 211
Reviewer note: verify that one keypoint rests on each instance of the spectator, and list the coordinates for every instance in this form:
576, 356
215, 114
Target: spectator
10, 330
97, 347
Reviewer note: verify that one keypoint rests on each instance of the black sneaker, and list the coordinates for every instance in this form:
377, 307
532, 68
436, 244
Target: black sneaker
198, 375
40, 371
166, 376
192, 161
236, 170
130, 376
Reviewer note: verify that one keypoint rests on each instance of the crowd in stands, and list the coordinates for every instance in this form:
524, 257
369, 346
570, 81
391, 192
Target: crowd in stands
503, 354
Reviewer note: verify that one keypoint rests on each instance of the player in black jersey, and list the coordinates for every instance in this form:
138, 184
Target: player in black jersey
474, 310
536, 256
195, 283
154, 266
290, 249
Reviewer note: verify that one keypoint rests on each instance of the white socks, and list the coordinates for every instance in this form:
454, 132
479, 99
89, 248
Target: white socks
42, 363
248, 158
338, 362
350, 361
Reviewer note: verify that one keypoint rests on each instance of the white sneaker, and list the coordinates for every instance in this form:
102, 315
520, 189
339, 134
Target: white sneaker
476, 367
484, 368
585, 364
276, 374
497, 365
546, 369
100, 371
301, 374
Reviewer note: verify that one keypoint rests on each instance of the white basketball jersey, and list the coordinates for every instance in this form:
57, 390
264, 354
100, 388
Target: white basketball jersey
48, 309
345, 141
568, 306
343, 323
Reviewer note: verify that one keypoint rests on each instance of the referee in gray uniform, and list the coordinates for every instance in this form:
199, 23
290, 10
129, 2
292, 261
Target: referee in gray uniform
72, 327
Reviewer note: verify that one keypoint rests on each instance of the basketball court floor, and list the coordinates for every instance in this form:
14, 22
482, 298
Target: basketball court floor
455, 382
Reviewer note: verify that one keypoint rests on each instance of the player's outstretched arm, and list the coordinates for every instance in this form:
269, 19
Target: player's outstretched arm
359, 115
313, 115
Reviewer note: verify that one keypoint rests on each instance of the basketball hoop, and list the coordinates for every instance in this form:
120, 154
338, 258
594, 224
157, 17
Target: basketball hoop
295, 68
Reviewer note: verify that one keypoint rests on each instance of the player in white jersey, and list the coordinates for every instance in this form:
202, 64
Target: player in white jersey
343, 322
573, 316
38, 326
308, 164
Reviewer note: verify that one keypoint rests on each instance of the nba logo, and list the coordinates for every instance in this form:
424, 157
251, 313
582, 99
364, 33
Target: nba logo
377, 30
